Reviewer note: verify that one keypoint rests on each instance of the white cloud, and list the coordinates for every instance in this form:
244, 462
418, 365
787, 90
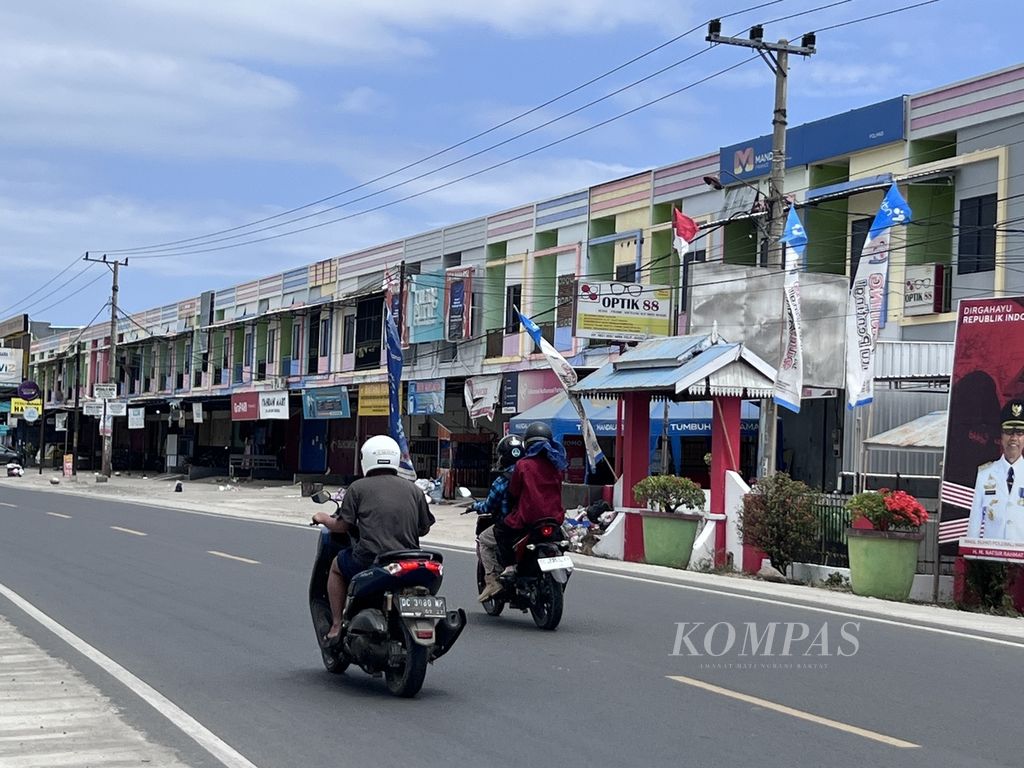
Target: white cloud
364, 100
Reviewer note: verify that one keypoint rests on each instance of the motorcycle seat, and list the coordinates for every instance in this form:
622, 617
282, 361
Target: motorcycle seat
407, 554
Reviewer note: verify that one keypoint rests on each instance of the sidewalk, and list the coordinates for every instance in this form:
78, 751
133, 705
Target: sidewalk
284, 503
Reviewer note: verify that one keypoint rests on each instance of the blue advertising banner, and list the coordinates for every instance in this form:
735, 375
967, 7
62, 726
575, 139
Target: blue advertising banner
325, 403
510, 393
425, 396
395, 388
858, 129
425, 315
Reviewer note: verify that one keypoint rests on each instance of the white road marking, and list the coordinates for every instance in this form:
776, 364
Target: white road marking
232, 557
205, 738
772, 601
839, 726
127, 530
58, 514
5, 504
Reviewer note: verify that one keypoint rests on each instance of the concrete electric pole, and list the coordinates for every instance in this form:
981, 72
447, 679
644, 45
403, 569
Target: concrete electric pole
776, 56
108, 433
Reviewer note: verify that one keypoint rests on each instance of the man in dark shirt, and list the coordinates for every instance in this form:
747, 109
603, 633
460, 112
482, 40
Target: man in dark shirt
389, 513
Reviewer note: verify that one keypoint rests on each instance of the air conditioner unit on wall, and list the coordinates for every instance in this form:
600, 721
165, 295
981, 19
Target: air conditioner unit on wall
927, 289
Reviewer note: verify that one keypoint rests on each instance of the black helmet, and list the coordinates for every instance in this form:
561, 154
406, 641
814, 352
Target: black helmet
510, 450
537, 430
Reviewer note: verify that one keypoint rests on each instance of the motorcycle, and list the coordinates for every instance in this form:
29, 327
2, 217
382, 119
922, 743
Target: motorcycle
395, 623
542, 573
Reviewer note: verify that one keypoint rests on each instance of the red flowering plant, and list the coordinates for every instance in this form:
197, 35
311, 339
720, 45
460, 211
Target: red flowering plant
888, 510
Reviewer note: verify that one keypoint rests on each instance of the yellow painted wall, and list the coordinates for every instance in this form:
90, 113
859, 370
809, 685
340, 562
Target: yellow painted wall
887, 159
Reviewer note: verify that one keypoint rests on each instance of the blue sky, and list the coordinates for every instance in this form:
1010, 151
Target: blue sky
124, 124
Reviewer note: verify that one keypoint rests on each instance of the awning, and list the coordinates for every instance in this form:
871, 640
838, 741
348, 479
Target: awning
683, 368
686, 419
925, 434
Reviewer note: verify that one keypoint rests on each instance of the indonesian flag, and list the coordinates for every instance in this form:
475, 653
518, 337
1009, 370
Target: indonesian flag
684, 229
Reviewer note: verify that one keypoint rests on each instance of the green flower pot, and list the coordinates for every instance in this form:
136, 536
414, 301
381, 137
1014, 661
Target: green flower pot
668, 539
883, 563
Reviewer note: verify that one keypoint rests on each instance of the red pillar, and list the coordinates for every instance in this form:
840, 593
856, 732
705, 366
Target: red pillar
636, 445
725, 456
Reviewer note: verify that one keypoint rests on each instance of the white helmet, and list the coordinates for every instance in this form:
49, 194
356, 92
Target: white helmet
380, 452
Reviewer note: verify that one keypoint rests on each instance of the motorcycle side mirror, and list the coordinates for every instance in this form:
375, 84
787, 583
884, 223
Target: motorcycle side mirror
464, 492
321, 497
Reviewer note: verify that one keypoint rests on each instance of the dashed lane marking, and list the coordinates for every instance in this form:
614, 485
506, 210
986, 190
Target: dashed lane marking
127, 530
215, 553
58, 514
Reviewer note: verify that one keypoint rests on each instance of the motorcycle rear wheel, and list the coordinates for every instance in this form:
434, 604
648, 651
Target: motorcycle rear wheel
547, 608
406, 681
335, 664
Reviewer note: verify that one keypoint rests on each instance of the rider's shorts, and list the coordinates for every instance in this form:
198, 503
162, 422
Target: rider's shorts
350, 565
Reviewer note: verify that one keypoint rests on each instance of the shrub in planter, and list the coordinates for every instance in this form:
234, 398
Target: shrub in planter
883, 558
778, 516
666, 493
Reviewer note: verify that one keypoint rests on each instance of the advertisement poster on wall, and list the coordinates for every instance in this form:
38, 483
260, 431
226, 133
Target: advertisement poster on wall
245, 406
425, 396
10, 365
982, 497
374, 400
510, 393
325, 403
537, 386
273, 405
458, 294
481, 393
425, 320
136, 418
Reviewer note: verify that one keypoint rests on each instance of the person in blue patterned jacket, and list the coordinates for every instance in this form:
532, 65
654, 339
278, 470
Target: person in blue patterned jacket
510, 449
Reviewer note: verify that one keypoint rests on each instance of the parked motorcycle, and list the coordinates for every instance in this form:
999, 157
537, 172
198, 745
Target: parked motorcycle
395, 623
542, 573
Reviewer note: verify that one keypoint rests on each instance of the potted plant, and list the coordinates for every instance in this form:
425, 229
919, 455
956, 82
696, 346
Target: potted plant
669, 530
883, 547
779, 517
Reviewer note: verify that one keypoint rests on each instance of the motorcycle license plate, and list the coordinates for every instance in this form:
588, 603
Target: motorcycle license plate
422, 607
555, 563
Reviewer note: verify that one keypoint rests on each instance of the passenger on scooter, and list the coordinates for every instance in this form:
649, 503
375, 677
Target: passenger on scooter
510, 449
535, 490
389, 513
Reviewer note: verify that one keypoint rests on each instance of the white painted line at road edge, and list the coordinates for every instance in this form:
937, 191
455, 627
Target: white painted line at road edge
181, 719
127, 530
771, 601
59, 514
215, 553
783, 709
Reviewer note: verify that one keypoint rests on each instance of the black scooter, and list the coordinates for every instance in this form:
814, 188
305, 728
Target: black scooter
395, 623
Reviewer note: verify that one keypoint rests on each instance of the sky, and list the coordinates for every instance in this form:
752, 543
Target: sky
132, 123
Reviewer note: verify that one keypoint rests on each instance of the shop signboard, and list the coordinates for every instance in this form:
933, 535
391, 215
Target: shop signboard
425, 396
615, 311
245, 406
273, 405
374, 399
326, 403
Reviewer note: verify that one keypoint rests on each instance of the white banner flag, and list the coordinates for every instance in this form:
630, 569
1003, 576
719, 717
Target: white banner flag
197, 413
789, 378
867, 300
136, 418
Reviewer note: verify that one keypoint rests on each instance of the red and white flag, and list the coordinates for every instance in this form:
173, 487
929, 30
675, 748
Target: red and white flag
684, 229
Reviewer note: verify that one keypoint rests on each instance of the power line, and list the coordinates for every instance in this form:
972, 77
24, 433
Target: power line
451, 147
73, 293
37, 290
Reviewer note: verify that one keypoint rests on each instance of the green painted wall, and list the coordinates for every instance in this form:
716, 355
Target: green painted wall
544, 286
494, 297
664, 260
739, 239
930, 235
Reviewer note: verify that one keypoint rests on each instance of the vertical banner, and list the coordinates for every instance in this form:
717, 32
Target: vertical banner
567, 375
458, 295
60, 423
394, 345
481, 393
136, 418
197, 413
867, 299
789, 378
510, 393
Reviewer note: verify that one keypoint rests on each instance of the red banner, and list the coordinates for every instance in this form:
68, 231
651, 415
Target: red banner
245, 406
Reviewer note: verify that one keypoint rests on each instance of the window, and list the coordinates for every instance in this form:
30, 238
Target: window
272, 345
369, 332
188, 357
859, 229
625, 273
350, 335
977, 235
325, 336
248, 349
513, 299
313, 350
297, 338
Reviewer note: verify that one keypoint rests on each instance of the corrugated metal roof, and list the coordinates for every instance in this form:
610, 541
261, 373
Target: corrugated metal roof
925, 434
896, 360
677, 364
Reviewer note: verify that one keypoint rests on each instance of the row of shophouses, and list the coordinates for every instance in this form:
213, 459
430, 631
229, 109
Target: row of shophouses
310, 339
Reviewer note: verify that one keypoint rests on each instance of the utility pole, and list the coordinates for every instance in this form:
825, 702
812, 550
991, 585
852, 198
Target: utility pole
776, 56
108, 436
78, 413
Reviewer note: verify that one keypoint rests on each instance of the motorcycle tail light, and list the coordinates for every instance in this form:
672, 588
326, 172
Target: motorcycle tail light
407, 566
547, 530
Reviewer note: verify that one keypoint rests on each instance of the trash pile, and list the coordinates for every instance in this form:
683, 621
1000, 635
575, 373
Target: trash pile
584, 526
432, 489
15, 470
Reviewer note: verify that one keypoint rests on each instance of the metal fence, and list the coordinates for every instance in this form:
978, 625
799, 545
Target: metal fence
830, 548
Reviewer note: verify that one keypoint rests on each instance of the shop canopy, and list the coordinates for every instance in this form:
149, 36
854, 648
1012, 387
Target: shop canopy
685, 419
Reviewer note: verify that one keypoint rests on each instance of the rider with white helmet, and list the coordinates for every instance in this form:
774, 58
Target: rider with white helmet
388, 511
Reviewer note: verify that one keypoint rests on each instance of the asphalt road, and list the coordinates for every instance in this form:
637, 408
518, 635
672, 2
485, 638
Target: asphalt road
231, 643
